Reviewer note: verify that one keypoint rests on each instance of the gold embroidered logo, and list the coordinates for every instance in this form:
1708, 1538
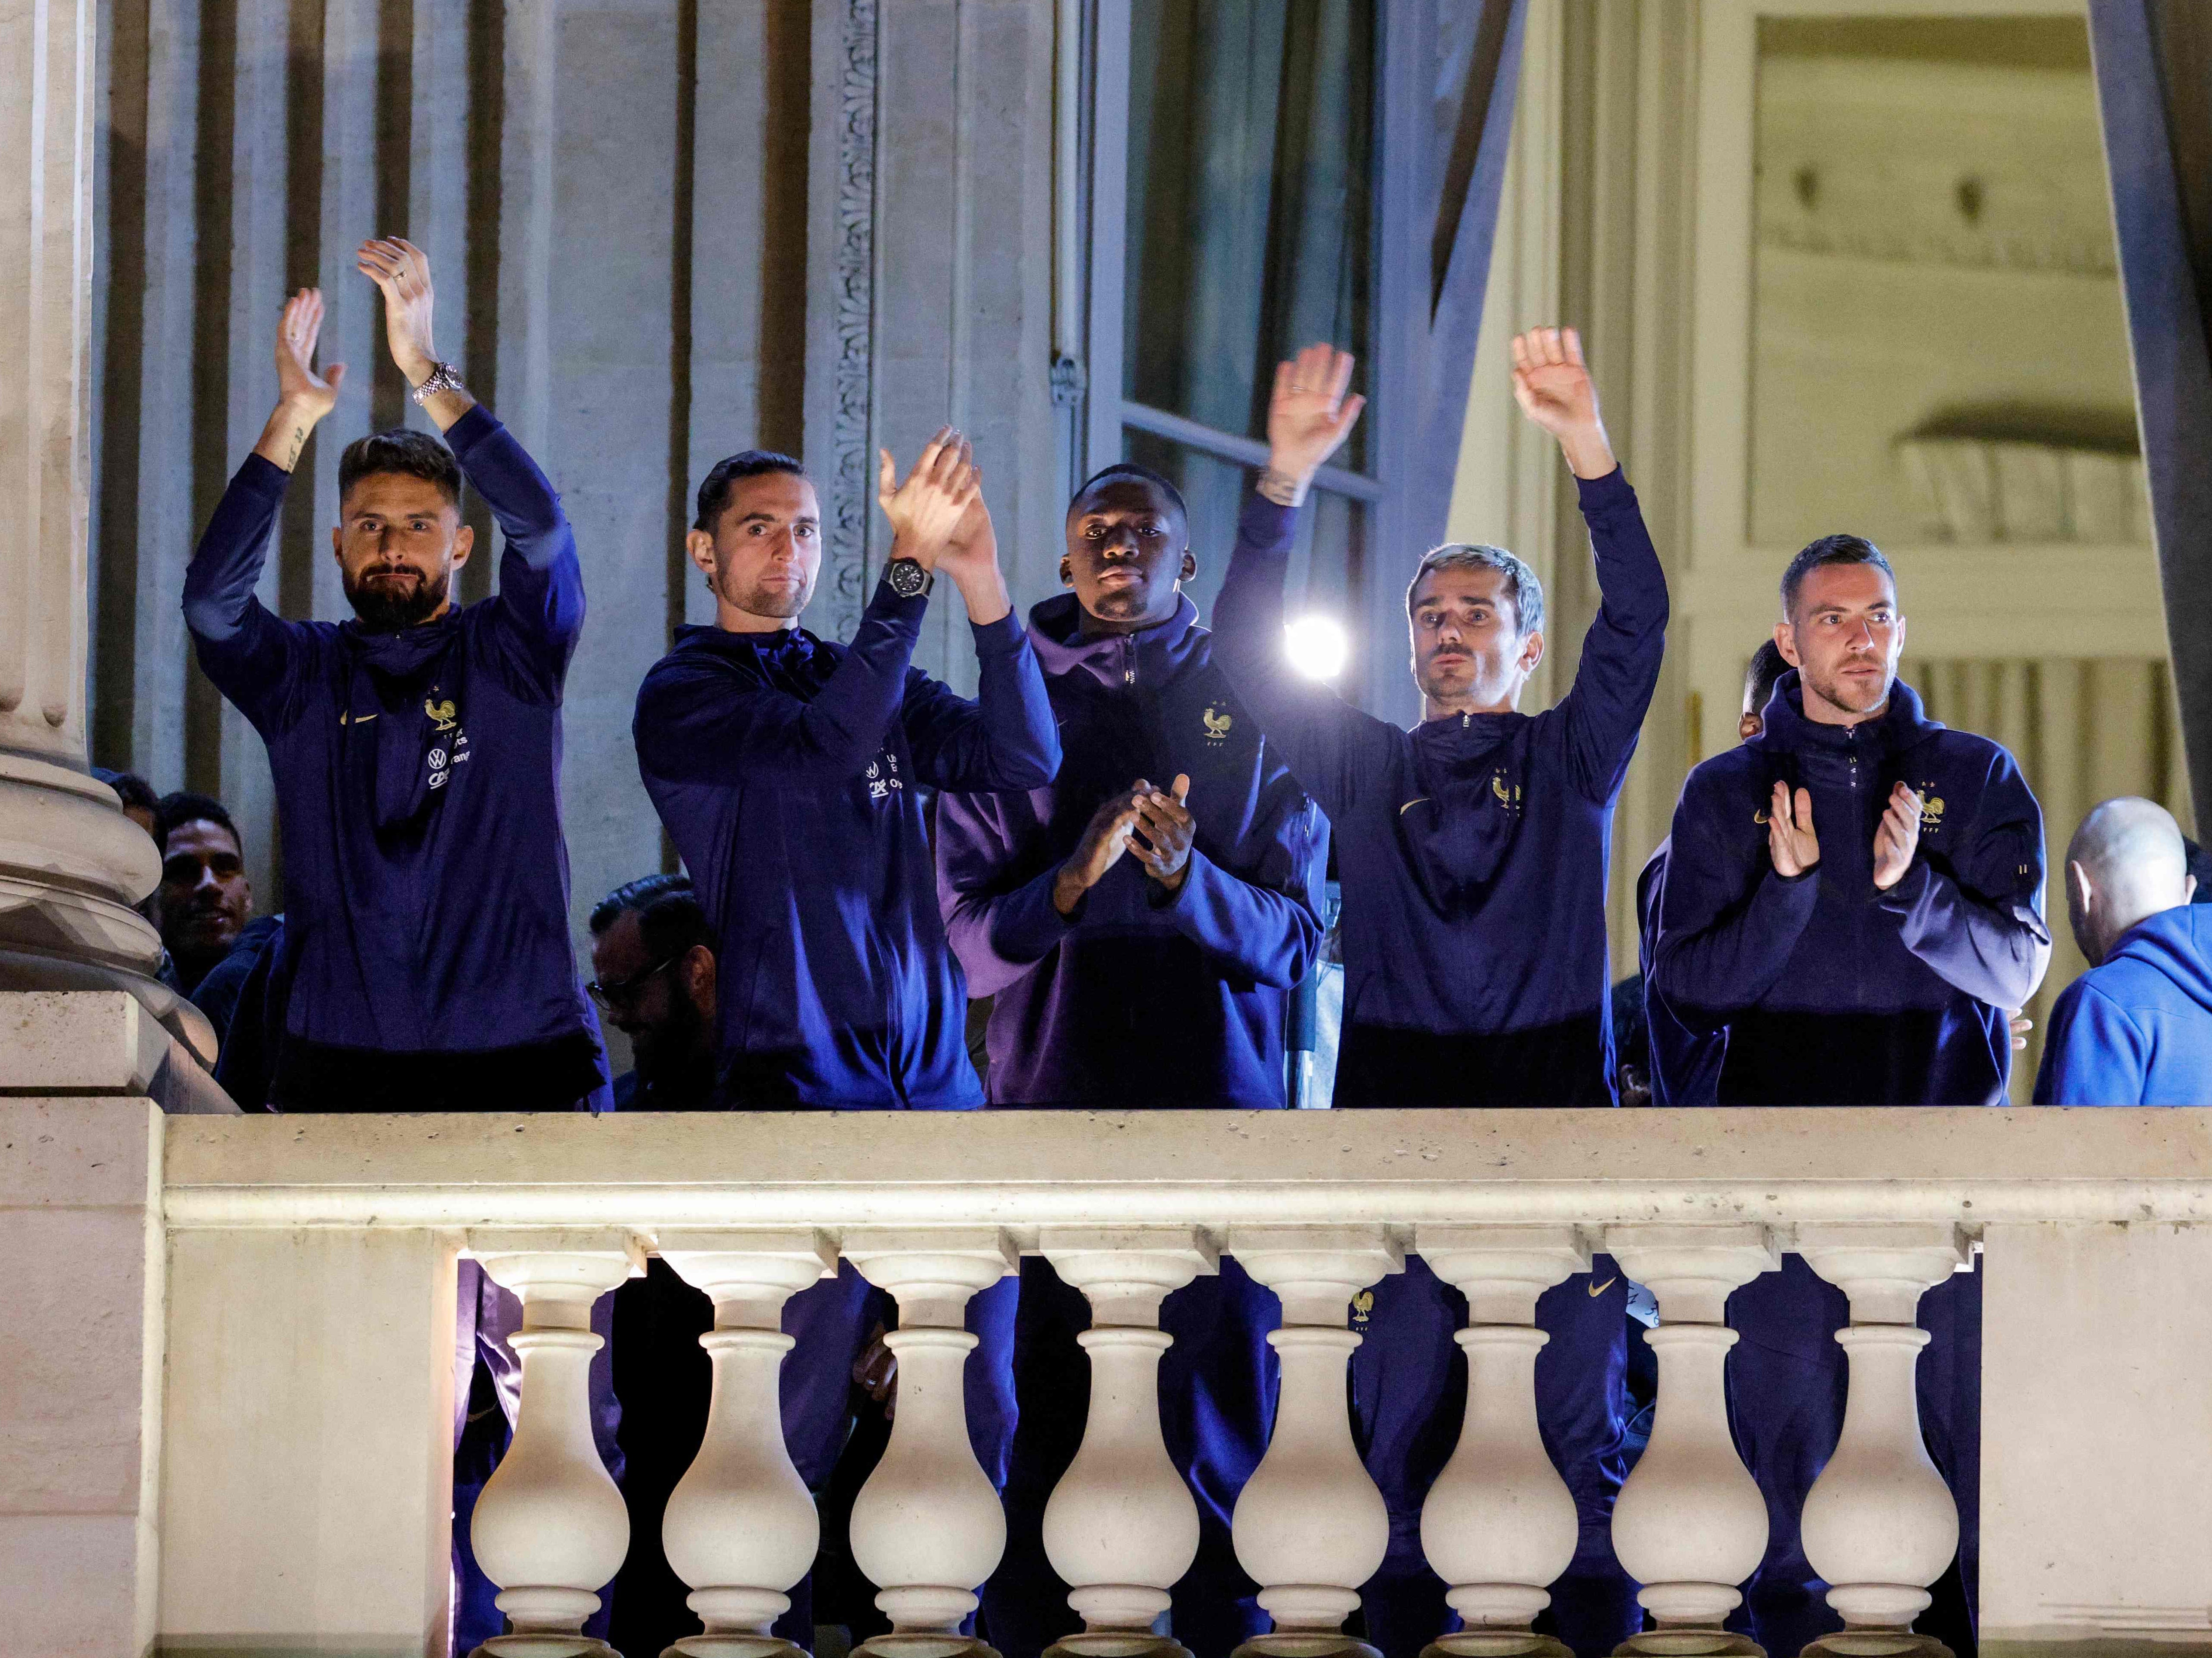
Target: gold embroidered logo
1760, 816
1931, 808
444, 713
1217, 725
1509, 797
1597, 1289
1362, 1305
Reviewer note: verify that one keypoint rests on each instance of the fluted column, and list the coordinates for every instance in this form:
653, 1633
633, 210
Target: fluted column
740, 1527
549, 1527
71, 865
1311, 1527
1499, 1525
1690, 1525
1879, 1524
1122, 1527
927, 1527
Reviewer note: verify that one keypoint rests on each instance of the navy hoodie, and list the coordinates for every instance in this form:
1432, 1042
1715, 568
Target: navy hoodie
1834, 993
785, 769
1141, 996
1472, 850
418, 786
1686, 1054
2138, 1031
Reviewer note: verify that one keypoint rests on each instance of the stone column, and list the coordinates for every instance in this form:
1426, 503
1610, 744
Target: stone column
740, 1527
1122, 1528
550, 1528
1311, 1527
1499, 1523
71, 865
1690, 1524
1879, 1524
927, 1525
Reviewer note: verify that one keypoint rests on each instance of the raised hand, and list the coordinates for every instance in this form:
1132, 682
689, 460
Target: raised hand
401, 271
1308, 418
1791, 841
930, 505
1164, 831
303, 397
1555, 390
1897, 838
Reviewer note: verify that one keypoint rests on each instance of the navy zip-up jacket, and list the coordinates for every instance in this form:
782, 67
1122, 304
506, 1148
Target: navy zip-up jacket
1472, 851
418, 785
1140, 997
1686, 1055
1834, 993
2138, 1031
785, 769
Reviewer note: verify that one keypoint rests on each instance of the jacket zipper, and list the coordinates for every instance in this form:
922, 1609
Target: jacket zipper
1128, 660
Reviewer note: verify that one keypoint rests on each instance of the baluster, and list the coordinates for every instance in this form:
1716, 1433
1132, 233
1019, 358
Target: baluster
1879, 1524
549, 1527
1691, 1525
740, 1527
927, 1527
1122, 1527
1311, 1527
1499, 1525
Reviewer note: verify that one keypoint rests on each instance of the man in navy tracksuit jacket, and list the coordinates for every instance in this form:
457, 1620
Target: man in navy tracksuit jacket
417, 749
785, 769
2136, 1028
1472, 853
1138, 924
1856, 894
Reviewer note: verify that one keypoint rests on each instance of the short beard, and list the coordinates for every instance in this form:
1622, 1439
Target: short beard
674, 1043
1431, 684
1830, 691
780, 603
380, 607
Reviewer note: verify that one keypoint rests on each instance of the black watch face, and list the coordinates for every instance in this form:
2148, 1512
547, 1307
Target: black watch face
909, 579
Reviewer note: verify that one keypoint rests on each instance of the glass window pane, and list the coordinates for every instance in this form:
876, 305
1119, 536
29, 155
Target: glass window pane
1326, 562
1250, 199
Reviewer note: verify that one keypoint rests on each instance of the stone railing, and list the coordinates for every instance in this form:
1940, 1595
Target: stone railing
235, 1341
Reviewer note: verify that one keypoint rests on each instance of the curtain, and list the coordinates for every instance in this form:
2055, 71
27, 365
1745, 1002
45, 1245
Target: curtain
2084, 730
1249, 235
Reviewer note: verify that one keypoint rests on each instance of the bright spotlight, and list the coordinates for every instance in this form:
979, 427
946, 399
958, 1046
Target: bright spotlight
1316, 646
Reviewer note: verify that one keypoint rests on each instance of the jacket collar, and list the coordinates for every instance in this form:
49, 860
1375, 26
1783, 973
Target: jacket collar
1159, 654
1902, 725
402, 652
784, 645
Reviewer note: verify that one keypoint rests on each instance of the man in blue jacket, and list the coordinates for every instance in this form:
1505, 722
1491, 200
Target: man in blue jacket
2136, 1028
417, 749
785, 769
1855, 893
1472, 852
1139, 939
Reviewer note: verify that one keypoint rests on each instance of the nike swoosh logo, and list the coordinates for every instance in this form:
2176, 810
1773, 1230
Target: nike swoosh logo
357, 719
1597, 1289
1410, 804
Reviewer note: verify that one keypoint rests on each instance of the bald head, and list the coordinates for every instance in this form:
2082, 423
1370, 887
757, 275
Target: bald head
2124, 864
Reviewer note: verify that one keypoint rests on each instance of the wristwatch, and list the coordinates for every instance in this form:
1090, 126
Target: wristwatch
442, 379
908, 578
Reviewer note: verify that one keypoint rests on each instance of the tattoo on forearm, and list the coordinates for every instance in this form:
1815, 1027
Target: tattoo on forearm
1280, 487
299, 442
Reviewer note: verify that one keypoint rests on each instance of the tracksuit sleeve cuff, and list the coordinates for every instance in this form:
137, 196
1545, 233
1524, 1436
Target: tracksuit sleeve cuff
888, 606
1911, 889
1027, 925
1003, 638
471, 430
1265, 527
1604, 495
262, 476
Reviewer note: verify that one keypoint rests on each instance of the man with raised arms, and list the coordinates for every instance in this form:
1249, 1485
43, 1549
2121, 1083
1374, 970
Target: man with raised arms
1472, 852
417, 748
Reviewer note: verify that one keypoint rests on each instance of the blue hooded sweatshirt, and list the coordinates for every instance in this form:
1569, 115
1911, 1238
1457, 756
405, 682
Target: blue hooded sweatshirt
418, 786
1834, 993
1141, 996
1686, 1055
785, 769
2138, 1031
1472, 850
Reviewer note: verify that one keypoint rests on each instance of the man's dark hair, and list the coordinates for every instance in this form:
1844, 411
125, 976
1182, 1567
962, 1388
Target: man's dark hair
415, 455
133, 789
1830, 550
1766, 667
174, 811
670, 918
1130, 472
715, 487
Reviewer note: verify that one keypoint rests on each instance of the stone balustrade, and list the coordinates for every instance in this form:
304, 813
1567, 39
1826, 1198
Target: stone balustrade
297, 1294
